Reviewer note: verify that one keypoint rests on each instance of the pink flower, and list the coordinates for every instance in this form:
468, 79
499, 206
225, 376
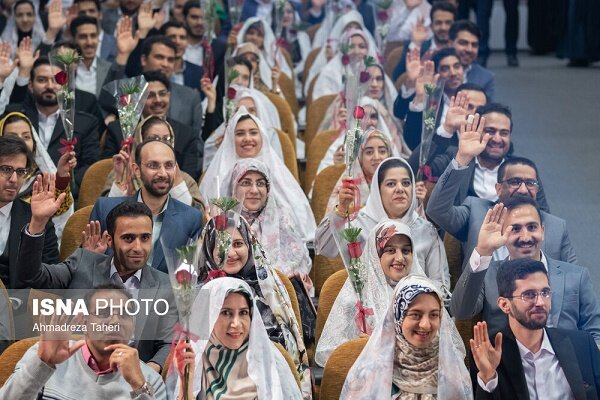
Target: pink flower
382, 15
359, 112
345, 59
124, 100
354, 250
61, 78
221, 222
364, 76
231, 93
183, 277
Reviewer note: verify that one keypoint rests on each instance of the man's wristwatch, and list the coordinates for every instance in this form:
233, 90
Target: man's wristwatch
145, 389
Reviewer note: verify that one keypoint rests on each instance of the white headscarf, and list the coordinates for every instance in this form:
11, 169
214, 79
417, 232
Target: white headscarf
265, 111
371, 375
269, 52
284, 186
340, 327
10, 34
266, 366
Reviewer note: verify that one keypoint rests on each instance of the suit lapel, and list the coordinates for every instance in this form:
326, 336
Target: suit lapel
557, 283
101, 274
57, 132
150, 290
511, 360
169, 224
102, 68
565, 352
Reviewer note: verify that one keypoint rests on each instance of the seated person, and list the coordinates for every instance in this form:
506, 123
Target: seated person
254, 369
246, 259
130, 235
521, 229
392, 196
388, 257
174, 222
415, 352
529, 358
17, 124
98, 366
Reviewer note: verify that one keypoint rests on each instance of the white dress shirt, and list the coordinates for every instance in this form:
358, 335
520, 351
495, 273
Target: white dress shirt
484, 181
46, 125
480, 263
133, 282
194, 53
4, 225
545, 378
85, 79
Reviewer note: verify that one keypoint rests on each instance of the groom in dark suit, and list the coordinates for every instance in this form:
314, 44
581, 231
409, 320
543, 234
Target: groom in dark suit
530, 360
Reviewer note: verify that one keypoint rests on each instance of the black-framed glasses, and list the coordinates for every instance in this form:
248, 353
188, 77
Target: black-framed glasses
530, 296
7, 171
517, 182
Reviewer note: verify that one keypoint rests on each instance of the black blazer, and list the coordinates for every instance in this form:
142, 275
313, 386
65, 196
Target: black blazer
186, 145
577, 355
20, 215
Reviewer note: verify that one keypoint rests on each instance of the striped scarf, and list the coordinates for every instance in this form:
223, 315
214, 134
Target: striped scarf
226, 373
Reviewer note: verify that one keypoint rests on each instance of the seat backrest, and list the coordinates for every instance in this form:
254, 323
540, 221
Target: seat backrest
293, 297
315, 113
310, 59
288, 88
71, 238
455, 258
286, 117
329, 292
324, 184
323, 268
11, 356
392, 59
9, 313
289, 155
337, 367
311, 88
315, 152
312, 30
289, 360
93, 181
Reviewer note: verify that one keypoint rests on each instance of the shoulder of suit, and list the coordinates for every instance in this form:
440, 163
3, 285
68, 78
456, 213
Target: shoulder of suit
179, 206
549, 218
182, 90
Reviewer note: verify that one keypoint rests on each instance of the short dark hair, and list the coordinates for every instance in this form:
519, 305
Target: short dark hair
239, 60
105, 286
511, 270
82, 20
43, 60
128, 208
153, 76
157, 39
170, 24
439, 55
12, 145
442, 6
496, 108
464, 25
189, 5
517, 201
471, 86
96, 2
515, 161
138, 149
390, 163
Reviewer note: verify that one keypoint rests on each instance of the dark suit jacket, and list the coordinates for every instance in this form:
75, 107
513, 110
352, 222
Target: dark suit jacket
186, 145
85, 270
20, 215
577, 355
180, 224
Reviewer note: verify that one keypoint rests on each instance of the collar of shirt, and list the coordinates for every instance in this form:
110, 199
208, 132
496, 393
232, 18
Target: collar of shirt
495, 170
160, 214
132, 283
92, 68
91, 361
5, 211
529, 355
466, 72
543, 260
44, 119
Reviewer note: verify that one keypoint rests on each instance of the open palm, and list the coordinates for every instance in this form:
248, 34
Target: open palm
43, 202
471, 141
490, 234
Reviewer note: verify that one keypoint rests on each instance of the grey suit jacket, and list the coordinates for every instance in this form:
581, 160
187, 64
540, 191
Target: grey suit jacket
85, 270
186, 107
484, 78
574, 302
107, 72
464, 221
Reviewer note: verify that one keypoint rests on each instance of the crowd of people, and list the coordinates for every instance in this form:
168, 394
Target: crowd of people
418, 148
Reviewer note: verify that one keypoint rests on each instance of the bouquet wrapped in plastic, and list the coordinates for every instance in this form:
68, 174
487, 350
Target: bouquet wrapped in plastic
433, 96
67, 61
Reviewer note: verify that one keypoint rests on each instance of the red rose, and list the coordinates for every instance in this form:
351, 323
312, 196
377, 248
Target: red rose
354, 249
359, 112
183, 277
380, 58
231, 93
364, 76
61, 78
221, 222
124, 99
345, 59
382, 15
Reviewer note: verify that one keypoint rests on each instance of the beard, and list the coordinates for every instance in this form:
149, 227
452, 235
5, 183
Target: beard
148, 184
527, 321
46, 101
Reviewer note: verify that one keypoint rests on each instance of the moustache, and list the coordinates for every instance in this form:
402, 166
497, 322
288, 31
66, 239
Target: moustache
521, 243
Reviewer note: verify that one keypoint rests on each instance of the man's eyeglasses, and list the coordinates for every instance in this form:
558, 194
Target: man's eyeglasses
7, 171
517, 182
530, 296
155, 165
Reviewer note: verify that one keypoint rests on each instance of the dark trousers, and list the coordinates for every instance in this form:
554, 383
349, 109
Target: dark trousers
511, 28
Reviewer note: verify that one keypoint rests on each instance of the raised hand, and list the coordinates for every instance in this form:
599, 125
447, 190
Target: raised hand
66, 164
210, 92
413, 66
6, 66
184, 355
346, 196
457, 112
93, 239
426, 76
410, 4
127, 361
490, 235
420, 33
339, 155
421, 191
56, 19
472, 140
43, 203
487, 357
145, 19
26, 57
126, 41
53, 348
